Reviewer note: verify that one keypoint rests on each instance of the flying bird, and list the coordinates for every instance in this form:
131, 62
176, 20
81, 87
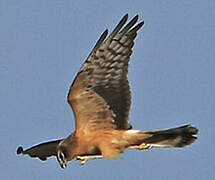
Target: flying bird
100, 98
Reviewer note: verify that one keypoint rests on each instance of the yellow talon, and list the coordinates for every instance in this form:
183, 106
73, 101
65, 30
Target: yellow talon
82, 160
144, 146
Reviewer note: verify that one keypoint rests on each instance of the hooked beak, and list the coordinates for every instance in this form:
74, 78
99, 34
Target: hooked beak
63, 165
62, 162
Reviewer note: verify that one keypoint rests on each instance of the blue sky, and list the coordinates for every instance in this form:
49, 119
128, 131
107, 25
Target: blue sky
44, 43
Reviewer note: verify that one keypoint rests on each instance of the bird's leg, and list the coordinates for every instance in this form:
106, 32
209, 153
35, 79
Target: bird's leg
84, 159
142, 146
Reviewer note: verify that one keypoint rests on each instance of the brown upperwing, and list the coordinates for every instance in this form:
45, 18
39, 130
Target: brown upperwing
100, 94
42, 151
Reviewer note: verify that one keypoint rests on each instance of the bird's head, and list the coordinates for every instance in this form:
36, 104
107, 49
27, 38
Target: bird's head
62, 156
66, 150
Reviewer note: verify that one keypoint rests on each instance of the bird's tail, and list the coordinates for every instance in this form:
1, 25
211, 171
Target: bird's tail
175, 137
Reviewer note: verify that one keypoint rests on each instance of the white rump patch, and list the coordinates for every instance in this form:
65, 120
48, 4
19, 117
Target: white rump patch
132, 131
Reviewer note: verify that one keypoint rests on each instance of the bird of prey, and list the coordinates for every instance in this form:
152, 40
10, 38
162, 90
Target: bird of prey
100, 98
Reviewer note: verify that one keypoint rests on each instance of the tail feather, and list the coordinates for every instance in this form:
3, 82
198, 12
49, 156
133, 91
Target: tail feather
175, 137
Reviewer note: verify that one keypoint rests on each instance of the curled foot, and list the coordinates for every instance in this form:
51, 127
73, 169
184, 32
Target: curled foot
142, 146
84, 159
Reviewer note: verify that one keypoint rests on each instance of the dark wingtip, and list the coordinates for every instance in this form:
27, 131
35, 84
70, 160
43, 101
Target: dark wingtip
136, 17
189, 129
192, 130
137, 27
42, 158
124, 19
125, 16
19, 150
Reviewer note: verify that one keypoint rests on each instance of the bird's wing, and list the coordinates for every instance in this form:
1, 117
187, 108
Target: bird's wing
100, 94
42, 151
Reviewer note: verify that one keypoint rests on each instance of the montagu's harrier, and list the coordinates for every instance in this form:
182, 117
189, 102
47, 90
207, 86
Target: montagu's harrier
100, 98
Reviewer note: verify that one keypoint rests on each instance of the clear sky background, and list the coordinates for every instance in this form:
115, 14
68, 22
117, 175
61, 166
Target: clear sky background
42, 46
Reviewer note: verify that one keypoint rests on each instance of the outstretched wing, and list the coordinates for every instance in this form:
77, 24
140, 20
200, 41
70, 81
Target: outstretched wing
42, 151
100, 94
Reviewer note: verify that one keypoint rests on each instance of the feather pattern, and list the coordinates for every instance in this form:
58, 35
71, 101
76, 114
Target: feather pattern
101, 86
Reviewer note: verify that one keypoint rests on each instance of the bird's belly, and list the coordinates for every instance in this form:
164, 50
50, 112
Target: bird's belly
111, 145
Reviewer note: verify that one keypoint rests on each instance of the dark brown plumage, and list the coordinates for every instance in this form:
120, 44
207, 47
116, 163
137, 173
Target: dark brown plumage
100, 98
